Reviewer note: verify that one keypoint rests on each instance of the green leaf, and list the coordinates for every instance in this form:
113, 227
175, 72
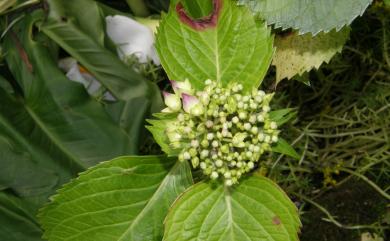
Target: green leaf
256, 209
283, 147
89, 22
74, 35
123, 82
297, 54
26, 169
307, 15
63, 114
158, 128
4, 5
282, 116
236, 49
123, 199
17, 222
197, 9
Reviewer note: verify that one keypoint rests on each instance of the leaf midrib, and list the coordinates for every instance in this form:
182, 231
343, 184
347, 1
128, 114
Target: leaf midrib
149, 203
228, 202
53, 138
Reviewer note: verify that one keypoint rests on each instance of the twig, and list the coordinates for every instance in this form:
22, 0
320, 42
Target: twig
331, 219
371, 183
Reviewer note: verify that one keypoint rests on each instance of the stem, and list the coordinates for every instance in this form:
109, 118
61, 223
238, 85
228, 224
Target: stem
138, 7
385, 51
368, 181
333, 220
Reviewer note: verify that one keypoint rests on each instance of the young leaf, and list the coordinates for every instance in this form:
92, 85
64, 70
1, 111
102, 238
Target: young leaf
282, 116
308, 16
228, 45
158, 129
296, 54
283, 147
123, 199
256, 209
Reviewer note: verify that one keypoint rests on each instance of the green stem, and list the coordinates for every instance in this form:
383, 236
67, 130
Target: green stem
330, 217
138, 7
368, 181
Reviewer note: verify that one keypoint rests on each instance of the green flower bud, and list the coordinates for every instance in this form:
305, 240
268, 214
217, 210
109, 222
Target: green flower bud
204, 143
186, 156
219, 163
273, 125
193, 152
242, 115
214, 175
247, 126
228, 182
215, 144
210, 136
172, 101
223, 131
195, 162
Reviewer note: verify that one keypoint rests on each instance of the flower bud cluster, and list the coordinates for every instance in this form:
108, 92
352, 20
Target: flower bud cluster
222, 130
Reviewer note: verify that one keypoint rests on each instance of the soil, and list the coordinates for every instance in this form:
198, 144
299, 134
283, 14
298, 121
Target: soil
353, 203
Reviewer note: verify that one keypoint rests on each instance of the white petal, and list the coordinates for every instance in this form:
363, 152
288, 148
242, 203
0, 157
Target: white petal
75, 75
66, 63
132, 38
90, 83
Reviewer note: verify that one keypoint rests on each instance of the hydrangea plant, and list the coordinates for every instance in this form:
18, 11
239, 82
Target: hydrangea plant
215, 132
217, 120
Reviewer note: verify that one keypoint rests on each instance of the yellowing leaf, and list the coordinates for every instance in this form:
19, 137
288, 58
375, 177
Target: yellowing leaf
368, 237
296, 54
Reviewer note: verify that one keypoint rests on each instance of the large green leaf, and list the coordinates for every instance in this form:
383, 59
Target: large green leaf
197, 9
17, 222
308, 15
230, 47
297, 54
123, 199
63, 113
27, 169
86, 46
89, 22
137, 96
256, 209
50, 128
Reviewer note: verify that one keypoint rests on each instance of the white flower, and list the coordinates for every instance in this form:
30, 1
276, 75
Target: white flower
76, 73
132, 38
